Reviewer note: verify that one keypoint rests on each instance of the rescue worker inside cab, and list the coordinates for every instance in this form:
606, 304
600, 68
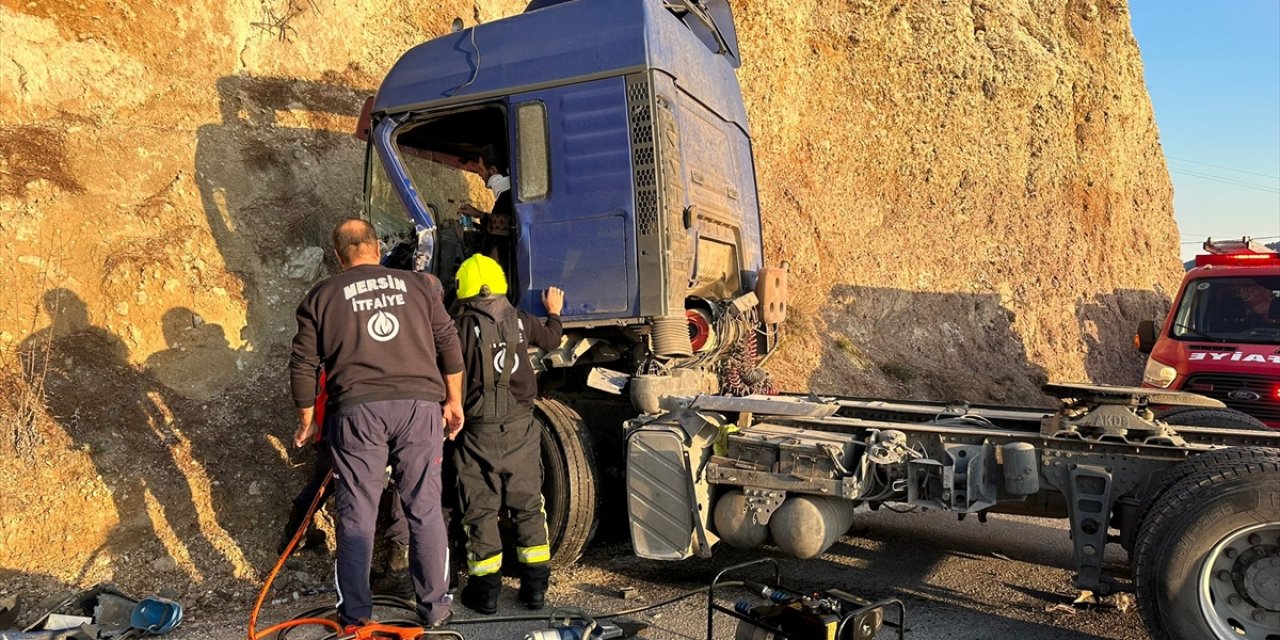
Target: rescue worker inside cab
498, 457
499, 223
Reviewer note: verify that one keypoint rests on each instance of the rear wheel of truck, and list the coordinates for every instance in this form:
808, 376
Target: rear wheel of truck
1206, 562
569, 480
1191, 466
1214, 418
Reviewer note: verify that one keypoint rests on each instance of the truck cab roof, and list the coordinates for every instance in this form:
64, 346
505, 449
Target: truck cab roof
573, 40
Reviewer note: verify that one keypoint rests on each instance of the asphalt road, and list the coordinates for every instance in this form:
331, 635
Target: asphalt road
1008, 578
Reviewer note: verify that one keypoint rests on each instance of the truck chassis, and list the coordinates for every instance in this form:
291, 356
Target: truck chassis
1198, 509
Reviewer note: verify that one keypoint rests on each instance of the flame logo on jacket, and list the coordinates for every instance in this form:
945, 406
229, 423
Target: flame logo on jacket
383, 326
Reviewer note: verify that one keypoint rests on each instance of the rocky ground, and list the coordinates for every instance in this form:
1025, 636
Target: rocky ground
1009, 578
960, 581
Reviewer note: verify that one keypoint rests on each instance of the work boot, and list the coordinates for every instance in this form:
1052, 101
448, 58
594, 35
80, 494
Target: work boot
395, 580
533, 584
481, 593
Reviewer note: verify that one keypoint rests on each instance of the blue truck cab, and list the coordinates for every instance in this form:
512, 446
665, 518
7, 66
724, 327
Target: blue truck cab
632, 188
631, 178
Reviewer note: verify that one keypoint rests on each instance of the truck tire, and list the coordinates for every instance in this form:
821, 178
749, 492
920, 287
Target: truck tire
568, 481
1219, 418
1207, 557
1191, 466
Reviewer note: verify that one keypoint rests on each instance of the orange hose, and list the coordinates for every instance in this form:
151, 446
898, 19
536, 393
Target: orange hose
299, 622
254, 634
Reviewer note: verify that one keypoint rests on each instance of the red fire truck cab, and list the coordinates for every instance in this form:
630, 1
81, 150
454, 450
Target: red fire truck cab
1222, 336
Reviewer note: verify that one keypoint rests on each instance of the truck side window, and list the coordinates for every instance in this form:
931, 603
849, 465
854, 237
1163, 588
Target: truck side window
534, 179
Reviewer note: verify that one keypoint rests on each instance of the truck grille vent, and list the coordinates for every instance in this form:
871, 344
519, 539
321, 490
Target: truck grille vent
1220, 386
640, 110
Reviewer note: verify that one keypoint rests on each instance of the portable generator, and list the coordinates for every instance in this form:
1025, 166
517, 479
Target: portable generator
790, 614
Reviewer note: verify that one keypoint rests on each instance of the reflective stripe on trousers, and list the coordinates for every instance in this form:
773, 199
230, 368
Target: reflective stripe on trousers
484, 566
534, 554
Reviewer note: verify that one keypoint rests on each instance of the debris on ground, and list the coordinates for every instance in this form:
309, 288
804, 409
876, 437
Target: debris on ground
101, 613
1086, 599
8, 611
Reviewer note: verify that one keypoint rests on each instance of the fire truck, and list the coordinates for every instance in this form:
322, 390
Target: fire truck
1221, 338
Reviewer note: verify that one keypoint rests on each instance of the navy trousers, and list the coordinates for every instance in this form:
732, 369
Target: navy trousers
397, 529
363, 438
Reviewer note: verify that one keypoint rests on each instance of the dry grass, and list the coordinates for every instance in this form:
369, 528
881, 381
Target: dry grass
23, 372
25, 367
900, 372
137, 255
22, 404
34, 152
844, 344
279, 23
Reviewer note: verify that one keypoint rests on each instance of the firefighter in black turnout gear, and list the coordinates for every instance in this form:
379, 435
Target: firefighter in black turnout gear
498, 457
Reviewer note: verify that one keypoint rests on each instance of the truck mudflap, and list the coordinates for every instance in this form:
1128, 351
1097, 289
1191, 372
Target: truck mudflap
667, 500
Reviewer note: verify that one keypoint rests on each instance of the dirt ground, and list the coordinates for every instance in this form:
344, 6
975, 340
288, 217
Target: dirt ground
1009, 578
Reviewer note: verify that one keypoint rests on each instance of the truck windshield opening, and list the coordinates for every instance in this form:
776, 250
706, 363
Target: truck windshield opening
1232, 309
438, 157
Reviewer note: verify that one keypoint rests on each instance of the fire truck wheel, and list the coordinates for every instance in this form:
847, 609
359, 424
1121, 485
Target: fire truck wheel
569, 480
1217, 418
1206, 563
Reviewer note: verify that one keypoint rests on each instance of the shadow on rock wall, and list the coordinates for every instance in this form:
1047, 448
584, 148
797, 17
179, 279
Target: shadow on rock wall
1107, 325
198, 485
274, 175
144, 442
189, 444
924, 345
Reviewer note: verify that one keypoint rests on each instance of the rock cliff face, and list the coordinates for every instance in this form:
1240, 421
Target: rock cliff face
971, 196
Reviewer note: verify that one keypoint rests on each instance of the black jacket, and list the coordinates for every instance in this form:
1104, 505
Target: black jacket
523, 384
381, 334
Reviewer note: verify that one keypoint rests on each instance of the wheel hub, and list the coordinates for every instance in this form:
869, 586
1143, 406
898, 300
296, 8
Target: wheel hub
1240, 584
1262, 582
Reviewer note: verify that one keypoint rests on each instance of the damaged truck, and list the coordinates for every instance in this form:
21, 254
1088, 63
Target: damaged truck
631, 171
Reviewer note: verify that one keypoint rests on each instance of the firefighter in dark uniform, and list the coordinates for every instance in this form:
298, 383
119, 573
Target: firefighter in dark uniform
391, 358
498, 458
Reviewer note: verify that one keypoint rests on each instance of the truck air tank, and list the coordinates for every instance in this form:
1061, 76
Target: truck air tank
805, 526
1021, 471
736, 522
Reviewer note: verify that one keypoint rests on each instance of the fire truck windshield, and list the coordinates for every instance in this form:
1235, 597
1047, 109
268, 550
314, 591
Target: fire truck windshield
1230, 309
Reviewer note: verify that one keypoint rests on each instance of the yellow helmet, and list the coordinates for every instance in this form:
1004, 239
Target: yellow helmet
480, 271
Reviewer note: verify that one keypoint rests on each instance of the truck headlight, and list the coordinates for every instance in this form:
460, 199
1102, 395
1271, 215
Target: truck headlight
1158, 374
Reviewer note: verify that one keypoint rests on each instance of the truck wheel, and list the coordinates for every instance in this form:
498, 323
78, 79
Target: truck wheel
569, 480
1191, 466
1220, 418
1207, 559
1216, 458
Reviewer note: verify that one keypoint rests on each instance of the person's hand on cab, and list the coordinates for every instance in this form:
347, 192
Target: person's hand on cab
553, 300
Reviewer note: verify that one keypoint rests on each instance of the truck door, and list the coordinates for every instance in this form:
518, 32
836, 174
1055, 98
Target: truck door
571, 169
